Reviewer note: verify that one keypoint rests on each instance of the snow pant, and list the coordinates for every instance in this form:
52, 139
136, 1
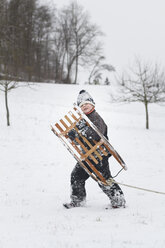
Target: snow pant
79, 176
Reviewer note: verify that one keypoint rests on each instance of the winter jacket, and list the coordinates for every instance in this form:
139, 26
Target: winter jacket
87, 131
99, 123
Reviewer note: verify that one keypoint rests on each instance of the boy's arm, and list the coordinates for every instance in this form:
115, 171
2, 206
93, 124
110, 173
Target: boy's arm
99, 123
88, 132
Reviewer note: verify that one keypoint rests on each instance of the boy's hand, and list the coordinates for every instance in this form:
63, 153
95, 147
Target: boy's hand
83, 128
81, 124
72, 134
84, 131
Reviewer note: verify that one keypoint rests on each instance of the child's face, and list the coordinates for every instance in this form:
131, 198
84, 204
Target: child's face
86, 108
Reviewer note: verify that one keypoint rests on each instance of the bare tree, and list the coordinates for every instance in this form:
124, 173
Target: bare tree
145, 83
80, 38
6, 85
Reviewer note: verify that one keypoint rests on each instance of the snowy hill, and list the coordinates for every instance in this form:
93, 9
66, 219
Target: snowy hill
35, 174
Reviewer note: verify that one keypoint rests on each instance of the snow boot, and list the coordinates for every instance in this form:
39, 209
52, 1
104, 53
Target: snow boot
75, 203
118, 201
72, 205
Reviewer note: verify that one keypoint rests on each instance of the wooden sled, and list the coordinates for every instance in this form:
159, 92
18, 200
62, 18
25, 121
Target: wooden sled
87, 153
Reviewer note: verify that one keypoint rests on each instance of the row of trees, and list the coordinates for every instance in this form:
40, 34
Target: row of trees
38, 44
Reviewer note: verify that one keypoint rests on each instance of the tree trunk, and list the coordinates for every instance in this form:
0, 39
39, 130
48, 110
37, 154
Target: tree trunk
7, 108
68, 79
147, 115
62, 68
76, 73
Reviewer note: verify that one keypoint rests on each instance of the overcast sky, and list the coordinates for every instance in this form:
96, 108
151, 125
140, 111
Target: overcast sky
132, 28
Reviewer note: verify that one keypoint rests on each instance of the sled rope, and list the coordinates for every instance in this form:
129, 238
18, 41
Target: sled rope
135, 187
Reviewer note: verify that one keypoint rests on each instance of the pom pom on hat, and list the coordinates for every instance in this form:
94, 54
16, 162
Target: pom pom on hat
84, 97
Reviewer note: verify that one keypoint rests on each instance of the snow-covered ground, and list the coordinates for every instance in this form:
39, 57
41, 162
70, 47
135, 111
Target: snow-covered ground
35, 174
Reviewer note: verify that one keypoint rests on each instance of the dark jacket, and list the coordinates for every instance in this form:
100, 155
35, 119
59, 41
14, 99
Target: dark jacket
99, 123
88, 131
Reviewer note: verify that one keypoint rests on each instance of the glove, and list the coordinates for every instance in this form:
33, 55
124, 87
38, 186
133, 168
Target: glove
84, 131
83, 128
81, 124
72, 134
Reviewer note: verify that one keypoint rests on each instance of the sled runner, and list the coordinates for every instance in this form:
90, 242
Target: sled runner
88, 153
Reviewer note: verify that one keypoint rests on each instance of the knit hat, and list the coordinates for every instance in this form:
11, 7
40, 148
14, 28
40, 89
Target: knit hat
84, 97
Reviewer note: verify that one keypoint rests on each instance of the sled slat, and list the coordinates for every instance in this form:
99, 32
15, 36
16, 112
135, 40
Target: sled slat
93, 175
101, 148
96, 152
64, 124
66, 136
92, 147
74, 117
86, 150
96, 171
73, 124
77, 111
59, 128
89, 144
69, 120
76, 148
54, 131
92, 150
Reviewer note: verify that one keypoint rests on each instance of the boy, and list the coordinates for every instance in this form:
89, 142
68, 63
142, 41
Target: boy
79, 175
